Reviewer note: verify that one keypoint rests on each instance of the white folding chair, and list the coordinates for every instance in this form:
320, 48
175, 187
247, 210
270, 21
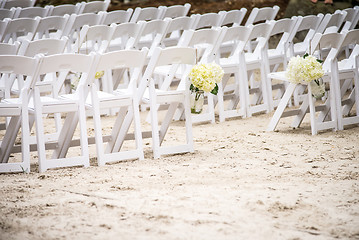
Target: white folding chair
305, 27
76, 22
5, 87
234, 17
204, 41
208, 20
32, 12
327, 116
127, 102
146, 14
6, 49
176, 11
351, 19
118, 16
17, 29
93, 39
51, 27
7, 4
234, 85
258, 60
331, 22
17, 110
264, 14
73, 106
152, 34
346, 77
279, 41
95, 6
63, 9
175, 29
7, 13
177, 57
125, 36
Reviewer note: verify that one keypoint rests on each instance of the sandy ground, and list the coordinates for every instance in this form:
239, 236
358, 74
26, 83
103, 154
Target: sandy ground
241, 182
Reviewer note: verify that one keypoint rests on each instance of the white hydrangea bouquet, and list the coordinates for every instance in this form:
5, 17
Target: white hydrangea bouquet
307, 69
204, 78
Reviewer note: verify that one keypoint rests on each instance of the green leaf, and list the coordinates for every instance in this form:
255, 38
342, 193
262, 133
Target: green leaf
305, 55
215, 90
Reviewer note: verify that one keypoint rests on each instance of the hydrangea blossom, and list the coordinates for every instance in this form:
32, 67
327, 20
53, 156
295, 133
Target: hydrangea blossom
206, 76
304, 69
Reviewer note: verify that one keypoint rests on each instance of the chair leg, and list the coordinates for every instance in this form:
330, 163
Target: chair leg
97, 127
40, 135
313, 122
155, 130
188, 123
25, 135
281, 107
83, 130
137, 128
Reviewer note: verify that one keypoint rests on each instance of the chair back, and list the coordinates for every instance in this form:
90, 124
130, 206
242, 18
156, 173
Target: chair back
233, 17
146, 14
208, 20
118, 16
19, 28
51, 27
9, 48
262, 15
176, 11
32, 12
95, 6
63, 9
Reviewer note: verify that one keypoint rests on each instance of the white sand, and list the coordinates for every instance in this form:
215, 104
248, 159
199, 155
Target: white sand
240, 183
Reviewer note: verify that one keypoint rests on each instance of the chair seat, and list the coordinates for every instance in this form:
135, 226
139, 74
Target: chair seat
278, 75
161, 93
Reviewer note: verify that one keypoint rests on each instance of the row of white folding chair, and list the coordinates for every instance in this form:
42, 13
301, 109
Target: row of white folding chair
75, 104
26, 28
79, 8
262, 58
246, 97
7, 13
211, 41
12, 86
76, 21
60, 10
281, 58
136, 36
233, 17
345, 74
161, 12
40, 27
334, 113
288, 28
168, 56
7, 4
317, 24
17, 110
102, 34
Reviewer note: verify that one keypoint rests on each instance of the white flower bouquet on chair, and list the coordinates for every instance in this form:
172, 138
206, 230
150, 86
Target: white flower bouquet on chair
204, 78
307, 69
